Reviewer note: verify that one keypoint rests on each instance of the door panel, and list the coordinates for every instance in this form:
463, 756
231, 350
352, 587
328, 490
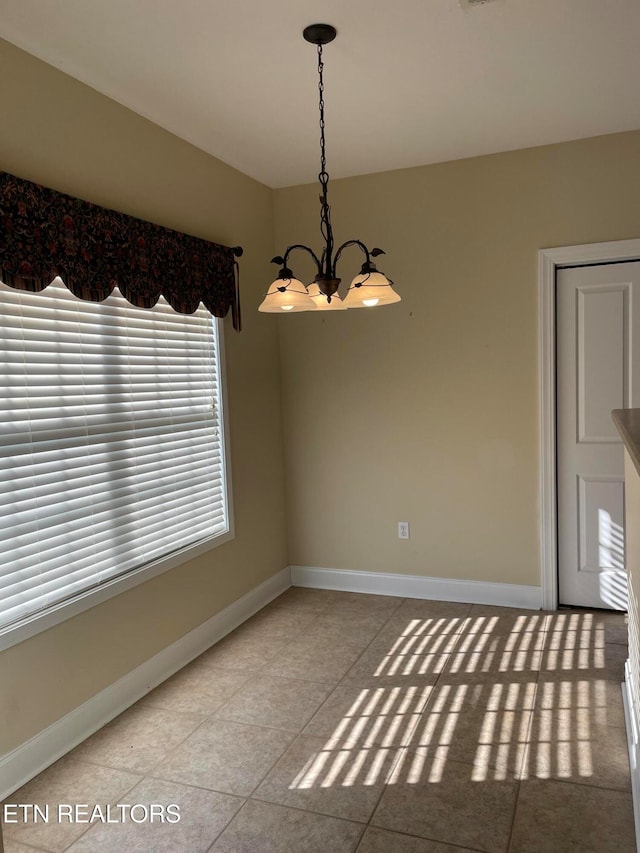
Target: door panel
600, 503
598, 321
602, 358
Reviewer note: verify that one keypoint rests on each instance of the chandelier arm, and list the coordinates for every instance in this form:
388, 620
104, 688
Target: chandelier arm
353, 243
305, 249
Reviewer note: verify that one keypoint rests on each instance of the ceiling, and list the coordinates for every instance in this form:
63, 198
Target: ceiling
407, 83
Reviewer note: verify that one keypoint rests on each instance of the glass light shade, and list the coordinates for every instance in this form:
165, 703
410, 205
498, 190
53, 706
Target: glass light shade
294, 298
320, 300
375, 289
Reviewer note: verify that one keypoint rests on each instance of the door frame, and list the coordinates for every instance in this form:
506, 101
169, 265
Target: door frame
549, 261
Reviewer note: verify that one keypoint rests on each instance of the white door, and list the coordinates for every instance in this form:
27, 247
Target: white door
598, 331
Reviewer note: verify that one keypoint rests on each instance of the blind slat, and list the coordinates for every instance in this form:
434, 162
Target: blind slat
129, 501
61, 565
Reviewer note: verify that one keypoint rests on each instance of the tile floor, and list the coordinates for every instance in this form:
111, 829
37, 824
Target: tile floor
334, 722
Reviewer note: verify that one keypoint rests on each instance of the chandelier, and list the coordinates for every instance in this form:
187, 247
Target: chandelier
370, 287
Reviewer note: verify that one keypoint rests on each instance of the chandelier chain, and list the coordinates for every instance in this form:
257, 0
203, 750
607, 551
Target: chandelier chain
323, 156
325, 221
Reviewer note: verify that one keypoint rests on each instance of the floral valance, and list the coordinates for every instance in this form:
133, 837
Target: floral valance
44, 234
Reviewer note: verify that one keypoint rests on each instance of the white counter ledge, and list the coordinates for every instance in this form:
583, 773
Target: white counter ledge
628, 423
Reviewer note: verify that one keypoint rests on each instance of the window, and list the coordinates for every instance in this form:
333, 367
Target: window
112, 451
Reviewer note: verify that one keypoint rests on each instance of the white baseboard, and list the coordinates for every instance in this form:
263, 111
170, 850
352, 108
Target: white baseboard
633, 745
33, 756
416, 586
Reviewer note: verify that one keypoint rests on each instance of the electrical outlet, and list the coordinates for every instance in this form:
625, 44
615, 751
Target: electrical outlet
403, 530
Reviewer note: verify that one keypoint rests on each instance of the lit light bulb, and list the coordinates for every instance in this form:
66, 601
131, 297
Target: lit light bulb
370, 302
288, 307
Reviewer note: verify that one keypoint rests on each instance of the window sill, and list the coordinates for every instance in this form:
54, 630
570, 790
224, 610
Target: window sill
11, 635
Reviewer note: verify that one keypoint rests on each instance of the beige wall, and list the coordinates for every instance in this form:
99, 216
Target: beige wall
426, 411
67, 136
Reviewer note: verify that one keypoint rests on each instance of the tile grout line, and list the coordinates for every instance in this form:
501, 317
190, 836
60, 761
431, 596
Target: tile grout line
381, 629
423, 838
317, 614
582, 785
227, 824
90, 827
362, 823
527, 749
514, 817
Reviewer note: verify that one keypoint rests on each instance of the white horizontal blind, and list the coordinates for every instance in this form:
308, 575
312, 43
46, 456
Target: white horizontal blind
111, 442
